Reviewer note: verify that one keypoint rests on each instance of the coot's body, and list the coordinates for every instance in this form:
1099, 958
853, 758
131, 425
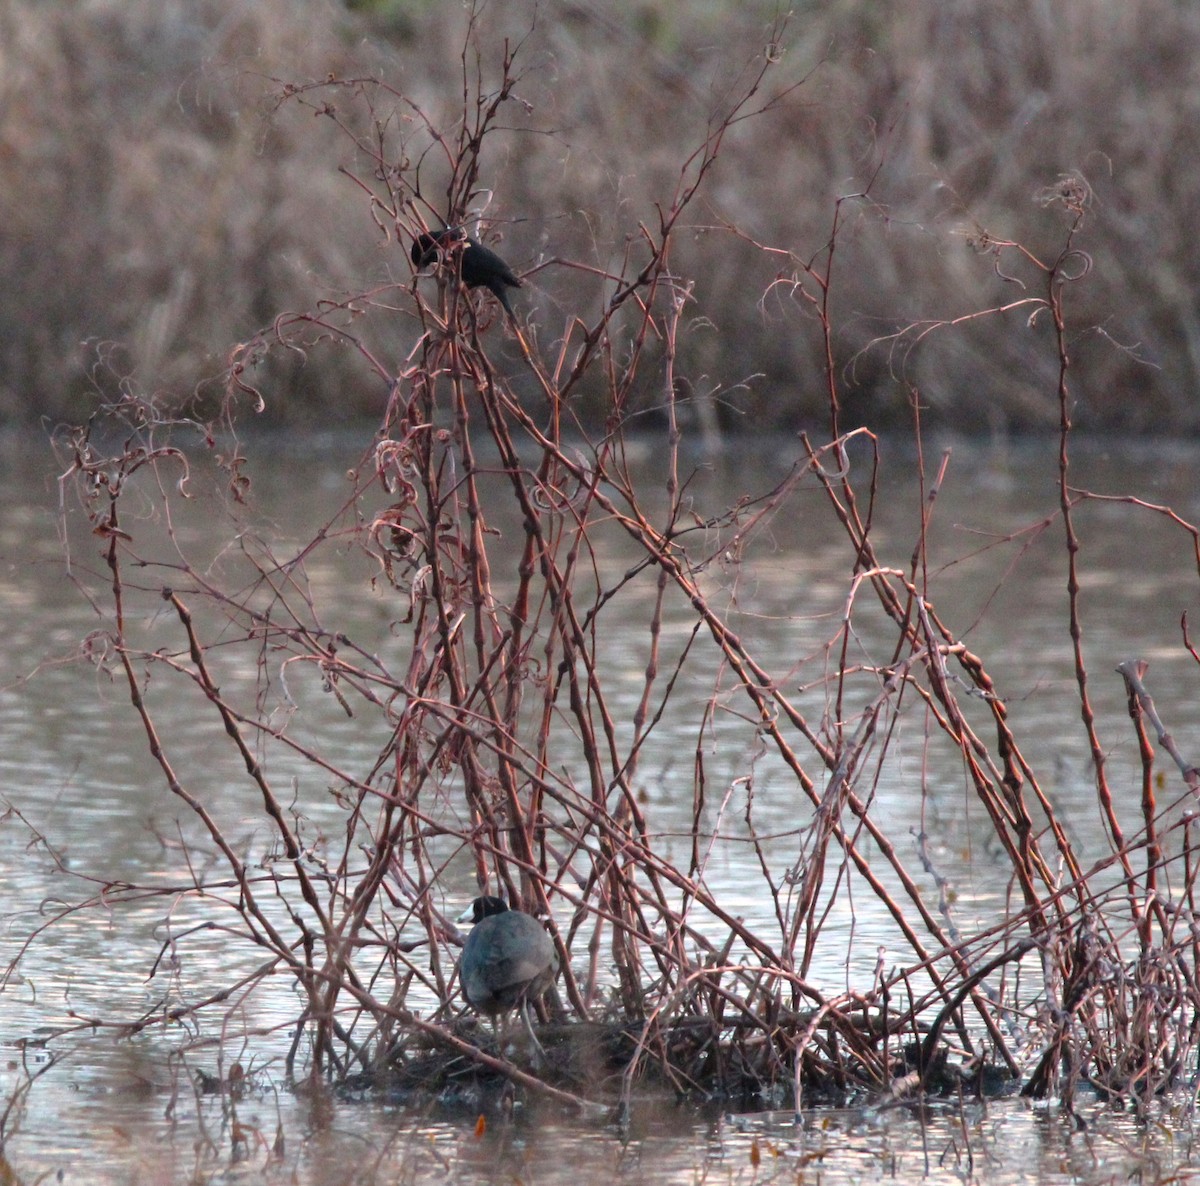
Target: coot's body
508, 959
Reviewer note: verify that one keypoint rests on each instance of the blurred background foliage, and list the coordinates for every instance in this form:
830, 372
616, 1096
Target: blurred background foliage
163, 203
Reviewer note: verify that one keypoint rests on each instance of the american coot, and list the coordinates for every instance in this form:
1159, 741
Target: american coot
480, 266
507, 961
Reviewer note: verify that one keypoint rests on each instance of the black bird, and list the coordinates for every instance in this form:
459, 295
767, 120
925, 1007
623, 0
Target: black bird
479, 266
507, 961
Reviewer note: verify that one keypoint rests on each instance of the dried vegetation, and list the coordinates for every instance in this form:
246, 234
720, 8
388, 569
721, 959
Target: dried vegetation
497, 747
161, 206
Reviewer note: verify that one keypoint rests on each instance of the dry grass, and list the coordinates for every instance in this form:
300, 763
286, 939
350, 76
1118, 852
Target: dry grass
160, 205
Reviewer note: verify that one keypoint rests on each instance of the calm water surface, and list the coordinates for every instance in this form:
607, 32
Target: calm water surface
74, 764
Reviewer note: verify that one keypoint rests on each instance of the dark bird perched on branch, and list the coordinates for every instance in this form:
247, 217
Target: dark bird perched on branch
479, 266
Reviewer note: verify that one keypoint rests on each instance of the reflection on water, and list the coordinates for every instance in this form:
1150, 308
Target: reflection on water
75, 766
134, 1126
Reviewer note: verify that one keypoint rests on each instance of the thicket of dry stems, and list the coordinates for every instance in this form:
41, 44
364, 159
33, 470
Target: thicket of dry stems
1090, 979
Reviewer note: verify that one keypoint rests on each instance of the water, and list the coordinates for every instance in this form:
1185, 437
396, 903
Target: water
93, 811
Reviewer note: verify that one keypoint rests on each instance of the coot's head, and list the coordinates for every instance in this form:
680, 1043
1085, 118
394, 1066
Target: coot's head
483, 908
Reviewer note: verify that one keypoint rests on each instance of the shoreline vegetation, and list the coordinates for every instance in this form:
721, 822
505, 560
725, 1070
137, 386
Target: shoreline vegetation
170, 192
496, 747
